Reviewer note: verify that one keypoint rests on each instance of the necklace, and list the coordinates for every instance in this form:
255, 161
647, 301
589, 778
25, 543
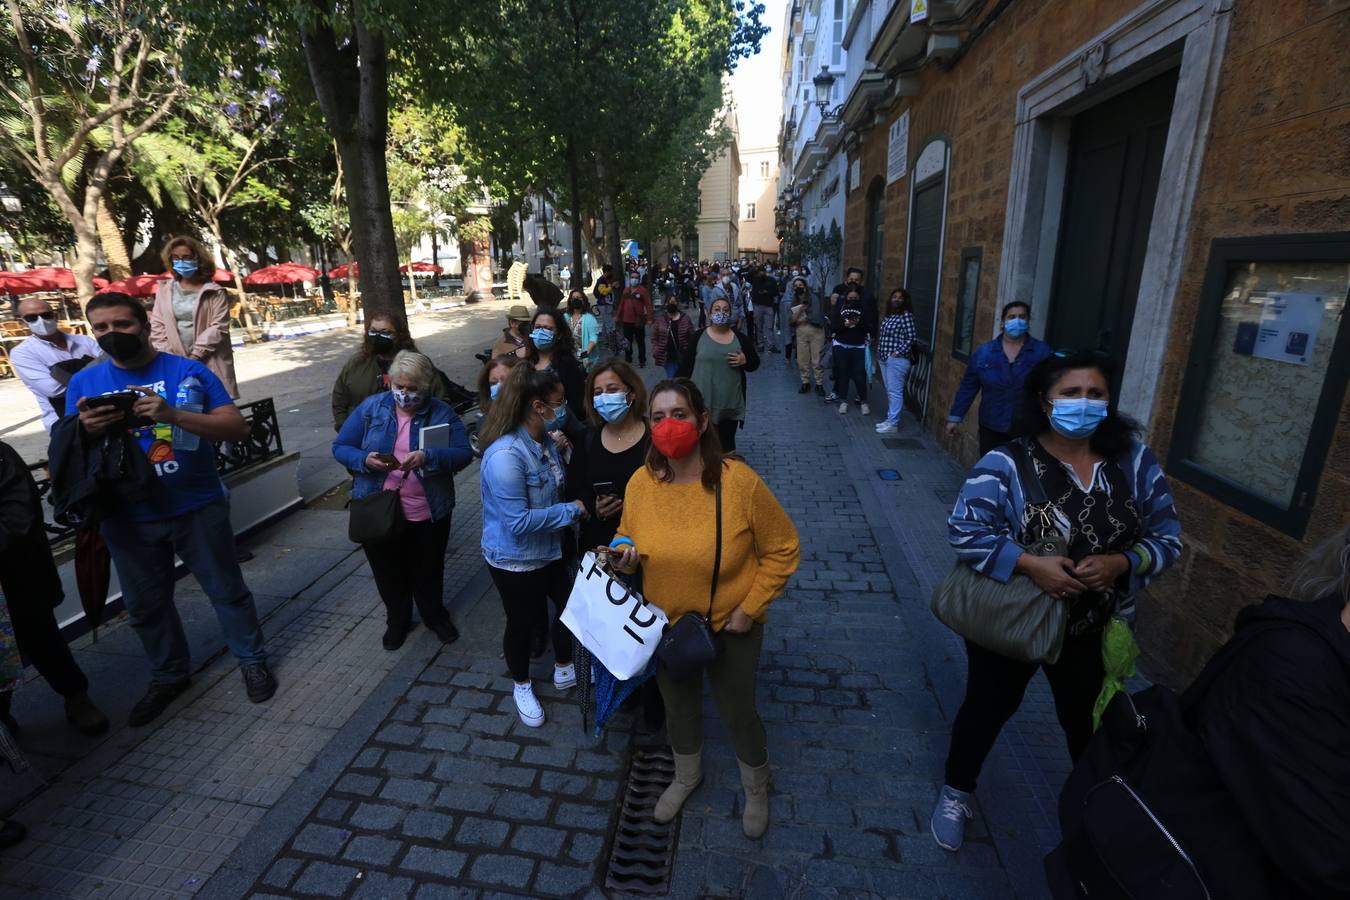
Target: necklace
620, 436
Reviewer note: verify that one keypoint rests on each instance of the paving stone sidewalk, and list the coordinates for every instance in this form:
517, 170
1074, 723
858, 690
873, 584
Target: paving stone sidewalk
449, 795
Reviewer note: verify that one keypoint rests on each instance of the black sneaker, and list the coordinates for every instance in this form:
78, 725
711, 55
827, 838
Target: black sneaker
804, 389
820, 390
259, 682
394, 637
157, 699
447, 633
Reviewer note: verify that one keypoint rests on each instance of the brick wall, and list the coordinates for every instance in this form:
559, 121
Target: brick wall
1278, 160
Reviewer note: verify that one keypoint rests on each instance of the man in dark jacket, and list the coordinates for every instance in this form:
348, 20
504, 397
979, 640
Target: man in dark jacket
33, 590
764, 296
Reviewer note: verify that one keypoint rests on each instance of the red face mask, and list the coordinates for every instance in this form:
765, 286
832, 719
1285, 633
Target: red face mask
675, 438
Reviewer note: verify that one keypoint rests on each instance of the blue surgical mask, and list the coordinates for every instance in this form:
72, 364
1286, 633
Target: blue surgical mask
1015, 328
611, 407
721, 318
559, 418
494, 390
1077, 418
542, 338
184, 267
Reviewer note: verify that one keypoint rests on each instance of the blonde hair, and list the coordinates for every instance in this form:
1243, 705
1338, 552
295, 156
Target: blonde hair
414, 365
1324, 571
206, 263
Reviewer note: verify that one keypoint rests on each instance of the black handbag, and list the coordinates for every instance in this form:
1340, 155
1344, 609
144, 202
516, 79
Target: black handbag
688, 646
376, 518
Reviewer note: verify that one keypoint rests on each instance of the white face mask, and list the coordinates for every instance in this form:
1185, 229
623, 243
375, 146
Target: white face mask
43, 327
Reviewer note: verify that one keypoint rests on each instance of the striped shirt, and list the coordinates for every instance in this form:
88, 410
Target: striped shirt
897, 333
988, 516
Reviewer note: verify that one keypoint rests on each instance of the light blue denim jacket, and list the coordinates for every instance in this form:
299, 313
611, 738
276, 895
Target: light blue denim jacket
523, 510
373, 427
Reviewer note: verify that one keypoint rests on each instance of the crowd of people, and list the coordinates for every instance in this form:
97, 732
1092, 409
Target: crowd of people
1066, 504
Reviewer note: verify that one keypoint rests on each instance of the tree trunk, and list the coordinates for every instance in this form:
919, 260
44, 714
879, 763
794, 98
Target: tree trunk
614, 244
86, 261
572, 178
412, 279
351, 83
114, 246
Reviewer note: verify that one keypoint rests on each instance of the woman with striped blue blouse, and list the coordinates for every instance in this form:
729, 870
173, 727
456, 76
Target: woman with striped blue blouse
1113, 505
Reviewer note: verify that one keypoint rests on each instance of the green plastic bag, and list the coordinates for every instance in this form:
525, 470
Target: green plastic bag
1119, 652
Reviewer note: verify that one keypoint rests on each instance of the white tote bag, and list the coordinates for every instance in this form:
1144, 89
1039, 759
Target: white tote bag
612, 620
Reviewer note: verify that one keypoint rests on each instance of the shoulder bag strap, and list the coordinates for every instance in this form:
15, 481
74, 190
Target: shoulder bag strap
1033, 492
717, 555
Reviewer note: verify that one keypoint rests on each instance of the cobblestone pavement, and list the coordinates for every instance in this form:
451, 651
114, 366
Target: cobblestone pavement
409, 775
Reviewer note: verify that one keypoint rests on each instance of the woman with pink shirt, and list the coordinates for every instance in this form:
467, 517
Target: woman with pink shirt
381, 444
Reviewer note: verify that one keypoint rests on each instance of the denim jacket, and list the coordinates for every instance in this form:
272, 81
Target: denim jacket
523, 509
989, 371
373, 427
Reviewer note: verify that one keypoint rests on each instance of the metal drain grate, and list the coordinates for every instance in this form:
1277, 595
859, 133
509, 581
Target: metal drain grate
902, 443
642, 850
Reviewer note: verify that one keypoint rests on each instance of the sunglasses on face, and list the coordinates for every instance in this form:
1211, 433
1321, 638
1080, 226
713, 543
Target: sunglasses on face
30, 318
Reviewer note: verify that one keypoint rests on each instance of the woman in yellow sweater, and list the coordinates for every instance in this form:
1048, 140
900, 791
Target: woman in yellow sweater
669, 528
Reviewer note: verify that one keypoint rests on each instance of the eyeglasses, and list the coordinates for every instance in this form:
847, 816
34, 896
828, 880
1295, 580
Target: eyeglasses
30, 318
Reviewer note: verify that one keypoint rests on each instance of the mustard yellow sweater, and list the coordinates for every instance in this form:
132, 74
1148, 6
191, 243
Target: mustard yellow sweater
674, 527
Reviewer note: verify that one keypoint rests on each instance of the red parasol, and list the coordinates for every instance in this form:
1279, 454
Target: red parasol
422, 268
224, 276
282, 273
45, 278
136, 285
341, 271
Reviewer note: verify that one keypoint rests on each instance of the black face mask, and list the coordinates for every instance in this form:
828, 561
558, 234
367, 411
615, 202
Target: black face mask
120, 346
672, 310
381, 343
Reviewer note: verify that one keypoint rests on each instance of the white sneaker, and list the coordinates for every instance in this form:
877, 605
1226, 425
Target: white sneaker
866, 410
843, 407
887, 428
564, 677
531, 713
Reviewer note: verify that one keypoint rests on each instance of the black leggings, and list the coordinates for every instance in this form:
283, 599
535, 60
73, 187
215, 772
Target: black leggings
525, 597
412, 568
637, 338
850, 367
726, 433
994, 689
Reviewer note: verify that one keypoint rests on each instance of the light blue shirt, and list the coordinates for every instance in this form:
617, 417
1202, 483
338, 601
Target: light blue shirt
523, 509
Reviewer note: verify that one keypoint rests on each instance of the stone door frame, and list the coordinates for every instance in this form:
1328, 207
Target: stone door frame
1189, 35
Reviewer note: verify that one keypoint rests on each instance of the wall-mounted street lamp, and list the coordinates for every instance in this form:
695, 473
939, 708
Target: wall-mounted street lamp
824, 82
9, 201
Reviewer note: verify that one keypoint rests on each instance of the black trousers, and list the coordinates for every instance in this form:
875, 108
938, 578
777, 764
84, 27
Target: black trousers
994, 689
850, 367
726, 433
989, 439
40, 642
635, 334
525, 597
410, 569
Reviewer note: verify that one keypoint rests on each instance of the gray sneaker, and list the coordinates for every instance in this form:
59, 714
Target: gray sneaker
949, 818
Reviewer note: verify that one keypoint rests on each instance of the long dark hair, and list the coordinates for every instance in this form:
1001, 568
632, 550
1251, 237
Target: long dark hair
578, 295
709, 446
906, 304
402, 339
1117, 432
563, 348
522, 387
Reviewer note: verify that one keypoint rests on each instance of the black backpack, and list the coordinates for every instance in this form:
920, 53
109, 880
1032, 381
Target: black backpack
1144, 814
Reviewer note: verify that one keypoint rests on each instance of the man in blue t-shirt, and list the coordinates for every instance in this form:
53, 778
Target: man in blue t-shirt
189, 516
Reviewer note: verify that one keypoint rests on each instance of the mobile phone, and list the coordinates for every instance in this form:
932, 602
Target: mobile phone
123, 400
604, 488
388, 459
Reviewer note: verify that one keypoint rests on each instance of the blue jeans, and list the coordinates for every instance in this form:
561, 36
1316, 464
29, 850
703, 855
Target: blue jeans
895, 370
143, 553
672, 368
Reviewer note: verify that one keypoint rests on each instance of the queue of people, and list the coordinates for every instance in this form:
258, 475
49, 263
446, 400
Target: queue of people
577, 456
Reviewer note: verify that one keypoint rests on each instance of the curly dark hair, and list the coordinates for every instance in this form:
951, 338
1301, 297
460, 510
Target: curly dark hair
1116, 433
563, 348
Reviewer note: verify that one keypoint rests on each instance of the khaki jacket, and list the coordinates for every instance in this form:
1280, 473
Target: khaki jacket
210, 326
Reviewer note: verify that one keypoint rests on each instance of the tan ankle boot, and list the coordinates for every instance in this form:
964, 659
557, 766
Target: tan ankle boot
688, 776
755, 780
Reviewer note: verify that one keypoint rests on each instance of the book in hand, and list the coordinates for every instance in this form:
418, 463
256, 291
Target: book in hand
434, 437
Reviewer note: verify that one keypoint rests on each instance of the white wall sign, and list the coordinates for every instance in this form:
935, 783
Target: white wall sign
918, 12
1288, 329
854, 174
897, 150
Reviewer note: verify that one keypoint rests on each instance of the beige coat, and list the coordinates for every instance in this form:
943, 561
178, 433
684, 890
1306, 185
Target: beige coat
210, 325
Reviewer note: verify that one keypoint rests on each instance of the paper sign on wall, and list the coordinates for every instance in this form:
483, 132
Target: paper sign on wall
854, 174
897, 150
918, 12
1289, 326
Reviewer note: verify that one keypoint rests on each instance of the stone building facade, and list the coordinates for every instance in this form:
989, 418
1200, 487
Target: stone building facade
757, 238
1168, 180
719, 201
